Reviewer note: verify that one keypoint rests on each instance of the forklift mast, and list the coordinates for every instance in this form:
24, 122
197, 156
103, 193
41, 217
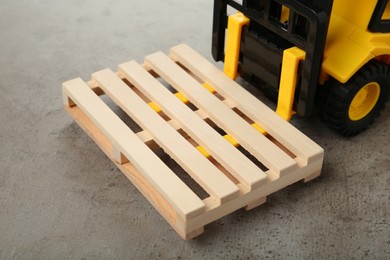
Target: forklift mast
275, 26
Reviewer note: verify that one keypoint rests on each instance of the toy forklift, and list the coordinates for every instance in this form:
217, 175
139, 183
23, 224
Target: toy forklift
332, 55
231, 151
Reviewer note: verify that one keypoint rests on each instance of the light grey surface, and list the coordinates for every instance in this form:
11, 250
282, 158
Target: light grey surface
60, 197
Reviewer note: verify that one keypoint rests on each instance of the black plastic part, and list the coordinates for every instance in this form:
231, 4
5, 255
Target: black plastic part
261, 59
306, 29
219, 26
376, 23
335, 98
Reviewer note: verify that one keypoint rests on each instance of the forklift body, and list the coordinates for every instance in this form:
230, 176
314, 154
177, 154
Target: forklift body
292, 49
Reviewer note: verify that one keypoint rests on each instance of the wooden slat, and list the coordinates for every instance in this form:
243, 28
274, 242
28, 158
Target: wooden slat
285, 133
214, 212
262, 148
150, 193
183, 200
225, 153
202, 170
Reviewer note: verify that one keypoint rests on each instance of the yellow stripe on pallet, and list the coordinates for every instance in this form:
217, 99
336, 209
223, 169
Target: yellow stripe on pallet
181, 97
201, 149
154, 107
231, 140
259, 128
208, 87
227, 137
178, 95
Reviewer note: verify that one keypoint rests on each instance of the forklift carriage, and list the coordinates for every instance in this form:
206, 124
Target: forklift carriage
304, 53
267, 36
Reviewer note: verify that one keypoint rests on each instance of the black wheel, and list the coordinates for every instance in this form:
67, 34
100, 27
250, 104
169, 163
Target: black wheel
351, 107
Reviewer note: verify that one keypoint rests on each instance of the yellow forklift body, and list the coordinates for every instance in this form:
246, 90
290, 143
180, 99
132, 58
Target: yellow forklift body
349, 44
233, 43
290, 64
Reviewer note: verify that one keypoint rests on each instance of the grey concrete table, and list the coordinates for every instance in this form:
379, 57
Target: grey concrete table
60, 197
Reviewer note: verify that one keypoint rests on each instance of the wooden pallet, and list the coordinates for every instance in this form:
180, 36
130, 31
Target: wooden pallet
211, 127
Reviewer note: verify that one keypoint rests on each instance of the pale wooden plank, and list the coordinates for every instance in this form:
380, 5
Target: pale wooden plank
284, 132
215, 212
256, 203
183, 200
151, 194
225, 153
197, 166
262, 148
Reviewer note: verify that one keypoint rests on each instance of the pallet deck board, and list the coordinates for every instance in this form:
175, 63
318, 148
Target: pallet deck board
287, 134
201, 169
231, 177
234, 161
248, 137
152, 168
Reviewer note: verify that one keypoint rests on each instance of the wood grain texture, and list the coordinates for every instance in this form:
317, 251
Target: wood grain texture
225, 153
202, 170
253, 141
185, 202
285, 133
229, 176
128, 169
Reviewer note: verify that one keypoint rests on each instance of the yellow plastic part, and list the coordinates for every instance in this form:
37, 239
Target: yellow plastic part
156, 108
349, 43
232, 52
259, 128
203, 151
185, 100
178, 95
386, 13
182, 97
209, 88
364, 101
231, 140
227, 137
285, 14
288, 81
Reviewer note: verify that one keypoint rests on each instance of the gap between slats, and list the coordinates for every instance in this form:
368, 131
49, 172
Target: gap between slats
291, 138
146, 137
222, 115
228, 156
201, 169
187, 204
